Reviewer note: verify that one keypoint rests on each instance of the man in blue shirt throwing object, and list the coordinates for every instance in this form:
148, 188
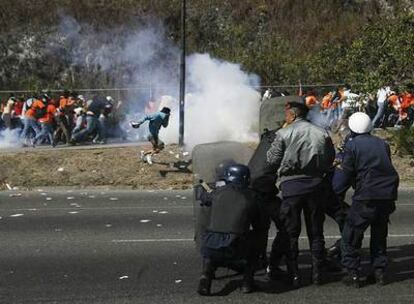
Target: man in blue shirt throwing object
156, 121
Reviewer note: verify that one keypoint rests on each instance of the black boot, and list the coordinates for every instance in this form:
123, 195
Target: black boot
276, 273
378, 276
334, 251
316, 272
248, 279
293, 272
352, 279
204, 285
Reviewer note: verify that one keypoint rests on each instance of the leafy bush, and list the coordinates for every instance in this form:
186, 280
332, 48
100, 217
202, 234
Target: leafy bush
403, 140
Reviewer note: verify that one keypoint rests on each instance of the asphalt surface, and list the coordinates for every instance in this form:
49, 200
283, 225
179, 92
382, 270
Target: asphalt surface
104, 246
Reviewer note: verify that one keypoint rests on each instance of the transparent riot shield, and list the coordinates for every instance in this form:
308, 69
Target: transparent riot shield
272, 112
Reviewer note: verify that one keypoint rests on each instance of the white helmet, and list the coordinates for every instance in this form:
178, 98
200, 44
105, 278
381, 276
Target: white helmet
360, 123
109, 98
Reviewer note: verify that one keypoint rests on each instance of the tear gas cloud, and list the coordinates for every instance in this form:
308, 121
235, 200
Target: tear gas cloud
221, 102
221, 105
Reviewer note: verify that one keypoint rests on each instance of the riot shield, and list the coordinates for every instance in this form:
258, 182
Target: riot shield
272, 112
205, 159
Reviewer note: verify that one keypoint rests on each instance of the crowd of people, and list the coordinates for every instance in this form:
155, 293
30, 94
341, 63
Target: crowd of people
66, 119
388, 108
312, 178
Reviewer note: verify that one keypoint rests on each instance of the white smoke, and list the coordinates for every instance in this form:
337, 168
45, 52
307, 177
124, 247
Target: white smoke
222, 103
9, 139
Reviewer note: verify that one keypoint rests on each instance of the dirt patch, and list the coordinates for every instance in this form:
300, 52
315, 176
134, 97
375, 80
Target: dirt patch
117, 167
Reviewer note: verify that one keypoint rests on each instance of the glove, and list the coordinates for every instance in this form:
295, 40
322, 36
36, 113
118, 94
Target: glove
135, 125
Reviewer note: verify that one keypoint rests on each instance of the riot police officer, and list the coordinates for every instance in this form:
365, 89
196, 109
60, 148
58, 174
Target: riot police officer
263, 182
228, 238
367, 165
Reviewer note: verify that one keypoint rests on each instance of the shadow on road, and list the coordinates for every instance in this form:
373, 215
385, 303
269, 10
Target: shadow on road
401, 269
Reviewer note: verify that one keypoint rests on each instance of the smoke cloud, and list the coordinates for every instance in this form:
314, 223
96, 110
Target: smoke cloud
221, 102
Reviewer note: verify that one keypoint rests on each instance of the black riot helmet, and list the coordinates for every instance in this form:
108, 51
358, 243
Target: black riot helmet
221, 167
238, 175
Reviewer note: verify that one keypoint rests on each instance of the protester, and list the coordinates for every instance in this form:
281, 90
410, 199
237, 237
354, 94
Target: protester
8, 112
47, 122
156, 121
367, 165
34, 108
93, 111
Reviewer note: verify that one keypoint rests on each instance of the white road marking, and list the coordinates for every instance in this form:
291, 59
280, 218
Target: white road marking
191, 240
97, 208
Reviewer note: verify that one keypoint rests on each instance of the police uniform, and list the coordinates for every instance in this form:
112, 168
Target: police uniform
263, 182
228, 239
367, 164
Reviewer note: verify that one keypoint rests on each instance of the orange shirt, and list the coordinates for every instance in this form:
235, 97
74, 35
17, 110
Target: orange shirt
311, 101
407, 100
37, 104
326, 101
394, 101
63, 102
50, 114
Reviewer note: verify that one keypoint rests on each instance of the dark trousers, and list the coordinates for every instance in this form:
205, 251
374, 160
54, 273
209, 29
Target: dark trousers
280, 243
363, 214
335, 208
63, 131
312, 205
241, 256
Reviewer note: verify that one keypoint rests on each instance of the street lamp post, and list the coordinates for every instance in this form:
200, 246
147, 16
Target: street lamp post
182, 74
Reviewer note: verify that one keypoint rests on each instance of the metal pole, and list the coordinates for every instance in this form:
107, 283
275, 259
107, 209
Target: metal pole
182, 74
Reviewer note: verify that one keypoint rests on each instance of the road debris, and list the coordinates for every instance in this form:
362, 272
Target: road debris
178, 281
145, 221
113, 199
73, 212
61, 169
16, 215
15, 195
163, 212
70, 198
48, 198
124, 277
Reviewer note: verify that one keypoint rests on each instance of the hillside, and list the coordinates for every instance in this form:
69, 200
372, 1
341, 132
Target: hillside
82, 43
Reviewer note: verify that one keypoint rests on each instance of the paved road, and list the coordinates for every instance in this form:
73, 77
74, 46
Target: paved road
136, 247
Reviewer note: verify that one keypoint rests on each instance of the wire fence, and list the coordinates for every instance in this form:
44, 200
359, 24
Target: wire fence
150, 92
